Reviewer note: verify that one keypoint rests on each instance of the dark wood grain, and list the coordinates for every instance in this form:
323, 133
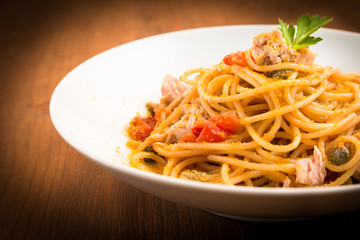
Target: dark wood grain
47, 189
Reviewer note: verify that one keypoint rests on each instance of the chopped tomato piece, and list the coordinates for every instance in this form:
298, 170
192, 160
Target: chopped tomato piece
190, 137
198, 127
141, 127
237, 58
150, 121
228, 123
161, 113
216, 129
140, 133
211, 133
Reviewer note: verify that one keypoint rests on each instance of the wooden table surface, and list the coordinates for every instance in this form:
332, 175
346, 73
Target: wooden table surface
50, 191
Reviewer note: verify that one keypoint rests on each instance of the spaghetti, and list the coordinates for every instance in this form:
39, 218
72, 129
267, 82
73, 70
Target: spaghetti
288, 124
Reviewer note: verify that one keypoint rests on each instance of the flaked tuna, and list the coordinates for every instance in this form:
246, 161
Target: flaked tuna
270, 48
172, 88
183, 127
311, 171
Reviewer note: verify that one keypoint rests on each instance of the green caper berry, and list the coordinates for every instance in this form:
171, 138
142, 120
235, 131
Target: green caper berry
149, 160
149, 149
282, 73
150, 109
339, 155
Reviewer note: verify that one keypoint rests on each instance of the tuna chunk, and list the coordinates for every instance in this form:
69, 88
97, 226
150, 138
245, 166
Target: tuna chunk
172, 88
311, 171
183, 127
179, 130
286, 182
270, 48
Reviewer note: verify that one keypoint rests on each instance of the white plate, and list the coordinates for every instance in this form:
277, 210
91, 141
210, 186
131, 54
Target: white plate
92, 104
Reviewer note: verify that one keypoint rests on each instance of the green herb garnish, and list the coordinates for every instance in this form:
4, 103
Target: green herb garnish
305, 27
151, 150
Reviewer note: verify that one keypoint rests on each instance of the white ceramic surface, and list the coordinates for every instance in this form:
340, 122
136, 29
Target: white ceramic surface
92, 104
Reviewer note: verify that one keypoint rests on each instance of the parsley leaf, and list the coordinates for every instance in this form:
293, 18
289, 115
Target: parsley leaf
305, 27
288, 32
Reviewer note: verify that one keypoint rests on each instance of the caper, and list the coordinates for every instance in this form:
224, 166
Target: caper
151, 150
339, 154
282, 73
149, 160
150, 108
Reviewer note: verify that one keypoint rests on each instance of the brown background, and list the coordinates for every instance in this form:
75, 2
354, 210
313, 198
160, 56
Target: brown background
47, 189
